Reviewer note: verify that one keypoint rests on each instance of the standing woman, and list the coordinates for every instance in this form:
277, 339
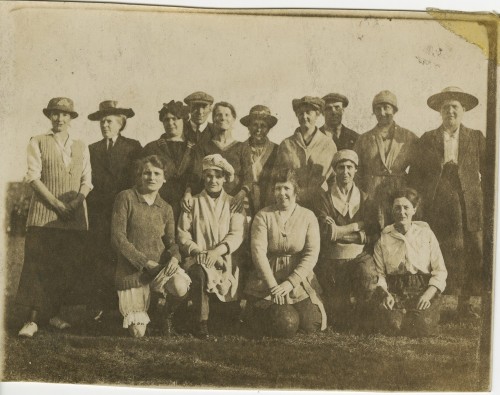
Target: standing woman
235, 152
59, 172
285, 243
262, 154
175, 151
308, 150
143, 234
209, 235
112, 161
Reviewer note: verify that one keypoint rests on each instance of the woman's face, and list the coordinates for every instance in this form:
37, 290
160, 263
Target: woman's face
258, 129
402, 211
110, 126
384, 113
173, 126
60, 121
152, 178
307, 117
345, 172
284, 195
214, 180
223, 118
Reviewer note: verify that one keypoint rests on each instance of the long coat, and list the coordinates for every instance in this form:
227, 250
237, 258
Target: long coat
312, 163
377, 178
425, 173
112, 172
453, 207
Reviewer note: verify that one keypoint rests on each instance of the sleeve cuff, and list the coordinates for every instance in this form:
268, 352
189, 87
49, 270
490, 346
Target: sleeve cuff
435, 283
295, 279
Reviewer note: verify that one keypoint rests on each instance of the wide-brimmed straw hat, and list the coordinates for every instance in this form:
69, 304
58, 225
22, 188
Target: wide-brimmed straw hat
60, 104
467, 100
259, 112
315, 102
110, 107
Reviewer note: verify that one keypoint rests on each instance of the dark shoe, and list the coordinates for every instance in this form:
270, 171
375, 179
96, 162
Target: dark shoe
201, 332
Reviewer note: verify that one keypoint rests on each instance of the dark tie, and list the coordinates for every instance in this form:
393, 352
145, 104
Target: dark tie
109, 144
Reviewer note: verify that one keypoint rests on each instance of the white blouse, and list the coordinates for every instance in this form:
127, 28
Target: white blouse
416, 251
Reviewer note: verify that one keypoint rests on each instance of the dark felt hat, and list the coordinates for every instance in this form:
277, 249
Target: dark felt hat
259, 112
110, 107
336, 97
199, 97
315, 102
60, 104
177, 108
467, 100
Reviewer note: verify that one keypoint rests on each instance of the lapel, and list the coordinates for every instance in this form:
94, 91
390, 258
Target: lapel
438, 143
377, 140
396, 144
463, 144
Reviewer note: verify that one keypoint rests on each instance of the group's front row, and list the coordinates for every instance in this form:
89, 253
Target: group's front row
289, 284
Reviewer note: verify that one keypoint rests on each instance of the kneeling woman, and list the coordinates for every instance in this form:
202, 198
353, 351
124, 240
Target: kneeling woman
208, 236
285, 243
143, 234
411, 271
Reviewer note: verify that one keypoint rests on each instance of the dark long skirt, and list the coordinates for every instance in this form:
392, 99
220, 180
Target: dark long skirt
462, 250
52, 269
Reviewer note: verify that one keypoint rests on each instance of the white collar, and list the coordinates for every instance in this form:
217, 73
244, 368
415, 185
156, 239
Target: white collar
346, 203
202, 127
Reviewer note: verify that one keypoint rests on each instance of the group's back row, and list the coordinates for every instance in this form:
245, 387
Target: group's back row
444, 165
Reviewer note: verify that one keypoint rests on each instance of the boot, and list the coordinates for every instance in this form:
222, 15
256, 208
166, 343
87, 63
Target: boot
167, 325
201, 330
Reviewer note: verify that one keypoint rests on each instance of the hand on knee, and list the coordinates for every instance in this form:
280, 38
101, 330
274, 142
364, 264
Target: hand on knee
137, 330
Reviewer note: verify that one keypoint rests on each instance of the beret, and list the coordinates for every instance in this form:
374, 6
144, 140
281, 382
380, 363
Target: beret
217, 162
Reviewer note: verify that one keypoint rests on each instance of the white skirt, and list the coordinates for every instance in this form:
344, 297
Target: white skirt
134, 304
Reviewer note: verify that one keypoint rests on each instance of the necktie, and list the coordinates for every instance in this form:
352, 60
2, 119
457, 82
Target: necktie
109, 144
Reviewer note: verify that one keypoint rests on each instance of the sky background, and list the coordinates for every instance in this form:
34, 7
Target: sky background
143, 59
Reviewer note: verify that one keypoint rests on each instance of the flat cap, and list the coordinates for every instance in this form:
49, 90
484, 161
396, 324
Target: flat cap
385, 97
199, 97
336, 97
315, 102
345, 154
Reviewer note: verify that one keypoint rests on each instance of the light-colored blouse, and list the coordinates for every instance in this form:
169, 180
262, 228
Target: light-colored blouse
209, 224
416, 251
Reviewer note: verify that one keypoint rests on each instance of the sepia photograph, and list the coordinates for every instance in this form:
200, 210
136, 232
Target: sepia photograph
281, 198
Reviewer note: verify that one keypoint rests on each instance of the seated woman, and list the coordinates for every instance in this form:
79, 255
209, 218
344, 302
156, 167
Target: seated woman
348, 225
143, 234
208, 235
285, 243
411, 271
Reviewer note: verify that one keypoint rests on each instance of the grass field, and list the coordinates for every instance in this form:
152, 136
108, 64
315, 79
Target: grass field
104, 354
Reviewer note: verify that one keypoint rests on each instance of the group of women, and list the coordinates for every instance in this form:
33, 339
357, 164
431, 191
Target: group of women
320, 248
